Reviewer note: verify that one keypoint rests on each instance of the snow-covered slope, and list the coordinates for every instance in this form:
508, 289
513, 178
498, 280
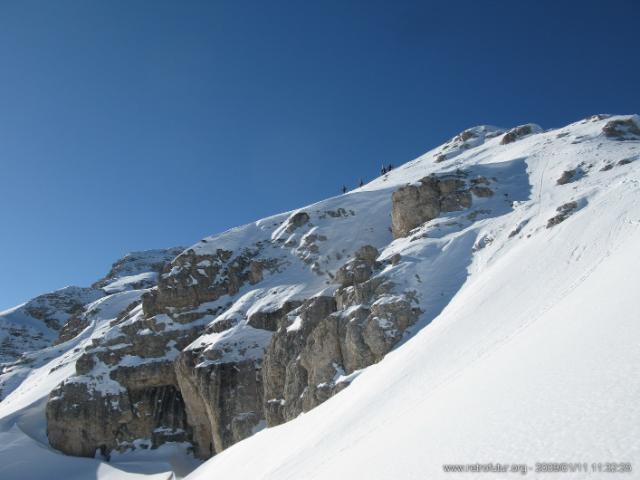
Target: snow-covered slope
36, 323
27, 379
137, 270
535, 359
510, 307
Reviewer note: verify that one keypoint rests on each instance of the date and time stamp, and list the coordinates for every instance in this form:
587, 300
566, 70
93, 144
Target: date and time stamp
541, 468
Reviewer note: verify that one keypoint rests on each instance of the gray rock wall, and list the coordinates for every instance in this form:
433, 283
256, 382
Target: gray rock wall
413, 205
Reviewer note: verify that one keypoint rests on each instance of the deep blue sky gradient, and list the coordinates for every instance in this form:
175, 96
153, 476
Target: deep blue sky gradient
129, 125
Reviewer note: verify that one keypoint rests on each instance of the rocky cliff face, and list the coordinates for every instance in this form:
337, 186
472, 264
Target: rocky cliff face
264, 367
232, 346
319, 346
250, 328
413, 205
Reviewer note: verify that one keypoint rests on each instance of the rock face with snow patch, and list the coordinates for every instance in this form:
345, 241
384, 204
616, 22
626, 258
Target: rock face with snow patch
564, 211
326, 339
466, 140
111, 402
224, 393
623, 128
80, 427
106, 403
193, 279
124, 391
37, 323
413, 205
519, 132
284, 374
137, 270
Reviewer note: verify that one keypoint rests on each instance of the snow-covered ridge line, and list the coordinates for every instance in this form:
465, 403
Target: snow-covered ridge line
538, 334
253, 326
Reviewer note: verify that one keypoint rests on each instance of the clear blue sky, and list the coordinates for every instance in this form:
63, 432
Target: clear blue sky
129, 125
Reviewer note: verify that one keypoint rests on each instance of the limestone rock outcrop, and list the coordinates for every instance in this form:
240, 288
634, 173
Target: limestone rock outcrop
285, 378
193, 279
297, 220
520, 132
222, 383
125, 383
218, 382
564, 211
138, 269
223, 400
47, 316
623, 129
321, 343
415, 204
465, 140
125, 391
220, 399
111, 421
567, 176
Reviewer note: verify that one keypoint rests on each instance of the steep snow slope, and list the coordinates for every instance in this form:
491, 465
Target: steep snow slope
513, 371
535, 359
522, 315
